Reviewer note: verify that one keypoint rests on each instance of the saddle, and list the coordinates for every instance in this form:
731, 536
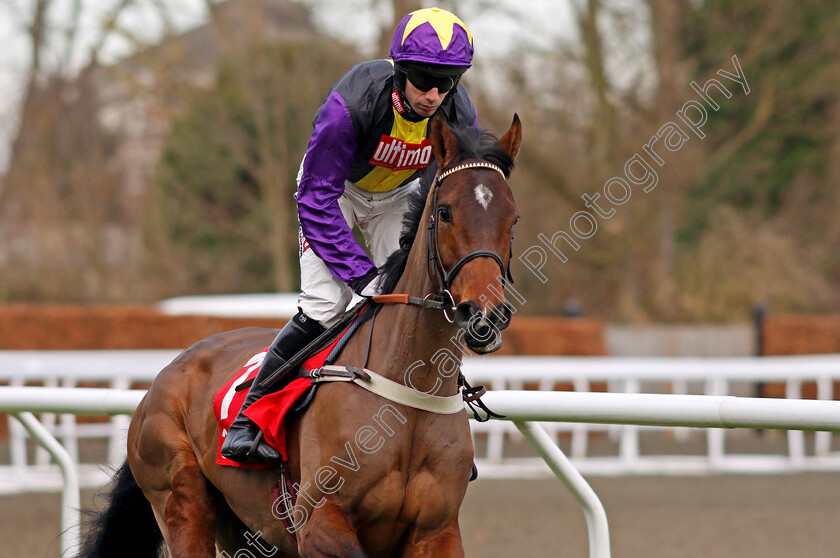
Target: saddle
309, 369
270, 411
314, 366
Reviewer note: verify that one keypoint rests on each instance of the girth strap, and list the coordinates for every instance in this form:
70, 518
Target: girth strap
389, 389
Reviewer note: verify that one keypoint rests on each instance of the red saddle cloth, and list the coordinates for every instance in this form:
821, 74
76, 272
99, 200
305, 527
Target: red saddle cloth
268, 412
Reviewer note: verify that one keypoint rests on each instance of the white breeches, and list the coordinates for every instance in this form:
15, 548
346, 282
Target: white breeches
379, 216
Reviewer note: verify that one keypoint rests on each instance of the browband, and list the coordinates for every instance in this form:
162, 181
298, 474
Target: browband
464, 166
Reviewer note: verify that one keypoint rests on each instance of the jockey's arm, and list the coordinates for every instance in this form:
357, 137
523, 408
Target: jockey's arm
326, 166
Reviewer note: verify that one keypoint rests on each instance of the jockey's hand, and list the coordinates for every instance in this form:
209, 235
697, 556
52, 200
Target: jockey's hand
369, 285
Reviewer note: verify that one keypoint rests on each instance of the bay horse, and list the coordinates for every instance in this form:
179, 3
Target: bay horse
374, 478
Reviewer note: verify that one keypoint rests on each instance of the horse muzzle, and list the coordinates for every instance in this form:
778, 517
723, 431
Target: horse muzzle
483, 332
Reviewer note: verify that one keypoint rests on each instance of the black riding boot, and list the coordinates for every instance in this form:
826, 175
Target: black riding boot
244, 441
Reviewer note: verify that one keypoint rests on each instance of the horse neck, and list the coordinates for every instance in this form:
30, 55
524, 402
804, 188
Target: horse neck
414, 335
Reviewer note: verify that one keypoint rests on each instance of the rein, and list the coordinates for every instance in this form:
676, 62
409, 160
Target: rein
426, 302
437, 271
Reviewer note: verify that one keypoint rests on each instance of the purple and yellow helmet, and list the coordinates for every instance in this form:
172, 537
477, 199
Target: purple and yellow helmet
432, 36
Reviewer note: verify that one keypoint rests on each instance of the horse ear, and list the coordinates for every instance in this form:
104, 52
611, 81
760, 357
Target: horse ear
444, 144
513, 137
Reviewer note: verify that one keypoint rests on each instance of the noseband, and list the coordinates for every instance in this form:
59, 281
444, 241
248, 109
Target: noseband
437, 271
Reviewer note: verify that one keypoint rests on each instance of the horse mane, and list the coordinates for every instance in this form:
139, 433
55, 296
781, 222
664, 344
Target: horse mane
473, 143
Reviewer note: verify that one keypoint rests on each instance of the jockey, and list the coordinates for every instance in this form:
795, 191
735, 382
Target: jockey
367, 150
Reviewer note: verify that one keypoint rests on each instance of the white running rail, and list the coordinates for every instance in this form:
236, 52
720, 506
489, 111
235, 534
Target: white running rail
698, 376
497, 442
714, 378
521, 407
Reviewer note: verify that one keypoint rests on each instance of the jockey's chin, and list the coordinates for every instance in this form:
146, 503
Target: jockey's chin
426, 111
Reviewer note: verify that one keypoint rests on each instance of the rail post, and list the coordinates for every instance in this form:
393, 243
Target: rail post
71, 503
593, 510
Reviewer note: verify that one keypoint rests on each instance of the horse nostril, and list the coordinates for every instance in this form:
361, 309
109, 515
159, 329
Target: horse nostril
466, 312
480, 329
501, 315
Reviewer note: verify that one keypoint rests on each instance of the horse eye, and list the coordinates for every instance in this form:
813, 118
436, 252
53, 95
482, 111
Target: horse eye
445, 215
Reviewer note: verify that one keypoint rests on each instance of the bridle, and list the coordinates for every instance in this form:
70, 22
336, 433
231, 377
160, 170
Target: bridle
437, 271
471, 395
444, 300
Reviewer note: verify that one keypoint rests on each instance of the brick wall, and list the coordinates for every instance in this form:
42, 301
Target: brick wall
24, 327
788, 334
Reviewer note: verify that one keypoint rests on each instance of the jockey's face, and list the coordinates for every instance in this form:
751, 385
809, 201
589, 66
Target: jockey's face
424, 103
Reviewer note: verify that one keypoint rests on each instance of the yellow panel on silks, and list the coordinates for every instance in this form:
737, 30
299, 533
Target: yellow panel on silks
398, 155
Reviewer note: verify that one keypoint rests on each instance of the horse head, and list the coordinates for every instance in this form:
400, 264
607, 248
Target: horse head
471, 228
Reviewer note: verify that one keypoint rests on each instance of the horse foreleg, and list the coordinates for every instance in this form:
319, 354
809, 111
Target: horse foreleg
189, 515
446, 543
235, 540
328, 533
239, 546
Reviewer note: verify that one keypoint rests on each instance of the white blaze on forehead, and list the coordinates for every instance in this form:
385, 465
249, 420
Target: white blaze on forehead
483, 196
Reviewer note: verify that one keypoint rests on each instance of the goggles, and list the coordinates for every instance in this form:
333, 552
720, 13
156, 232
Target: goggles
425, 81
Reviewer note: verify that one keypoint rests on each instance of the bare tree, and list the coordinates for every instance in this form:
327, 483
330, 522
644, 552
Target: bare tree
62, 213
225, 183
399, 8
